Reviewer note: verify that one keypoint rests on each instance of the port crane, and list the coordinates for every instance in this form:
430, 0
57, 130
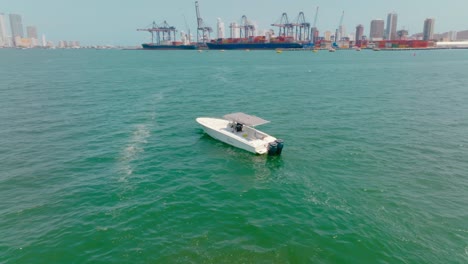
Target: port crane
162, 33
302, 28
285, 28
247, 29
339, 31
203, 31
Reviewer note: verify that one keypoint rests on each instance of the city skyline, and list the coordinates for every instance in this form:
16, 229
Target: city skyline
102, 25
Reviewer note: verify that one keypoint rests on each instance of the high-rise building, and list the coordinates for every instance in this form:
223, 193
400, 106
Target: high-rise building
314, 35
62, 44
44, 42
16, 26
359, 33
327, 35
428, 32
234, 30
341, 33
391, 32
3, 33
220, 27
462, 35
452, 35
377, 30
31, 32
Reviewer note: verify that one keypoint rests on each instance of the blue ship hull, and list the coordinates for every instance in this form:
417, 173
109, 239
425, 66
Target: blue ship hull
168, 47
254, 46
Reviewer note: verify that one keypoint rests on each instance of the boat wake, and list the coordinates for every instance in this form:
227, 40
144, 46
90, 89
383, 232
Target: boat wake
132, 150
221, 74
138, 139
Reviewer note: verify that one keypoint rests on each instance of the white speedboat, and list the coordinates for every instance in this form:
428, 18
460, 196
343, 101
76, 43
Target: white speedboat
237, 129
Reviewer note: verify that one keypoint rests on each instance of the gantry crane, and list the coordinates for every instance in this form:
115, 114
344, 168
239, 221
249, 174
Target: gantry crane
247, 29
162, 33
285, 28
202, 29
302, 28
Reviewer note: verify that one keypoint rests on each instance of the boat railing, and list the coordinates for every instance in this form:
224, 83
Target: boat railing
253, 134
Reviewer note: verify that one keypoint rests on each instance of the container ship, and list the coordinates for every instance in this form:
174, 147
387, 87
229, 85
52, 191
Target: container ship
169, 46
254, 43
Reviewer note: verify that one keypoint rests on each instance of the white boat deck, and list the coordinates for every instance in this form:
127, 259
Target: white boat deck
249, 138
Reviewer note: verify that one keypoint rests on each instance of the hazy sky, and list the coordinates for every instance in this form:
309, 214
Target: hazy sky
115, 22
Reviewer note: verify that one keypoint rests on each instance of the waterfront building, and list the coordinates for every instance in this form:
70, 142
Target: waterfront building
17, 41
462, 35
24, 42
327, 35
220, 28
75, 44
31, 32
314, 34
235, 33
3, 33
391, 32
452, 35
50, 44
377, 29
8, 42
34, 42
44, 42
16, 25
62, 44
341, 33
359, 33
428, 32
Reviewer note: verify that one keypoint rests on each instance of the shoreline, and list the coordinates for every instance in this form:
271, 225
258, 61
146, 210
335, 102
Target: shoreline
294, 49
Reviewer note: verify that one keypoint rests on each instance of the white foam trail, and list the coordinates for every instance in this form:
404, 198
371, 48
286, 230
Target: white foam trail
138, 139
134, 147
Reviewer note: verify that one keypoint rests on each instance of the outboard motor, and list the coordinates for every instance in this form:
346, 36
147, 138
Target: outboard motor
272, 148
280, 145
239, 127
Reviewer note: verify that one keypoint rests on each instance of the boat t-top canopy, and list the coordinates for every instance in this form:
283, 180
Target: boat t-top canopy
245, 119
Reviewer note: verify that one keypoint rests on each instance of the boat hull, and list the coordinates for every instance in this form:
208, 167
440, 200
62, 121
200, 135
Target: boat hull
254, 46
218, 129
149, 46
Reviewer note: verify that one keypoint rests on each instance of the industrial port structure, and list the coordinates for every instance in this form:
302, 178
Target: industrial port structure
290, 34
161, 33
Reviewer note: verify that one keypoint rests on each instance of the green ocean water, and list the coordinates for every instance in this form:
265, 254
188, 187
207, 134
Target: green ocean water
102, 161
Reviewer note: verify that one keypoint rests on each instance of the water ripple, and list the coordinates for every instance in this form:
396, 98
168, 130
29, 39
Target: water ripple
102, 161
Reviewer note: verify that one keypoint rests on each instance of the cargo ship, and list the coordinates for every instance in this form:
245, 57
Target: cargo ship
171, 46
254, 43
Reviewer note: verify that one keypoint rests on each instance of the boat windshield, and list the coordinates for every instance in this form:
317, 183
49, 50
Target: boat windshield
245, 119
